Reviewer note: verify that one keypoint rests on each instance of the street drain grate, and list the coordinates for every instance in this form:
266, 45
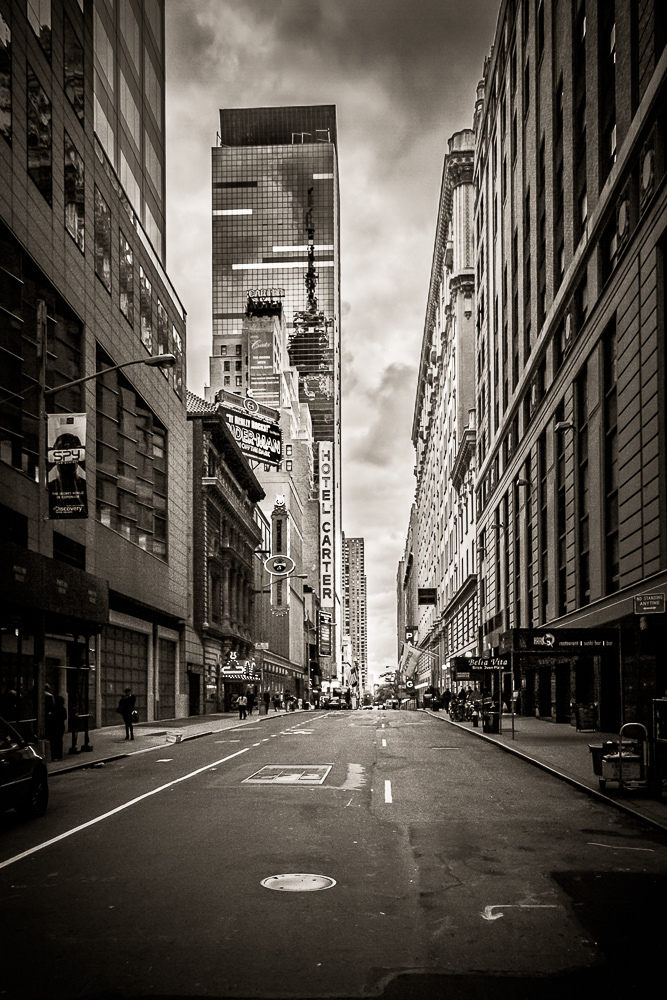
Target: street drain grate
289, 774
298, 883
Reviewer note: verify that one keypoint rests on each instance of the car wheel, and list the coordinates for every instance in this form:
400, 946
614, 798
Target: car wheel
38, 799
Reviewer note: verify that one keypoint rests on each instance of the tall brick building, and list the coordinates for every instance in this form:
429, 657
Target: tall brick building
571, 228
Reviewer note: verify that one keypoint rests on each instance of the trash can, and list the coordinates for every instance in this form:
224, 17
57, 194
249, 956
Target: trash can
597, 751
491, 722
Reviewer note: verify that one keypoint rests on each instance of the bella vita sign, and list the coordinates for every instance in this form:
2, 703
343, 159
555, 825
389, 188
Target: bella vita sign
327, 523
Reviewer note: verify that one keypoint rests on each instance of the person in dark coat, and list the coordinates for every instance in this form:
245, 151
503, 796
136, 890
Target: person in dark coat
446, 698
267, 700
55, 727
251, 701
126, 708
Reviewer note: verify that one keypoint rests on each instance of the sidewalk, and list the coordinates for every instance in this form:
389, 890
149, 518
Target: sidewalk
564, 752
110, 744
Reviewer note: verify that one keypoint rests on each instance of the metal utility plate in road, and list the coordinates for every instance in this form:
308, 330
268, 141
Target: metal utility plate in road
298, 882
289, 774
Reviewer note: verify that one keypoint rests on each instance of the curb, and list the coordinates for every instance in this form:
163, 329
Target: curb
555, 773
186, 739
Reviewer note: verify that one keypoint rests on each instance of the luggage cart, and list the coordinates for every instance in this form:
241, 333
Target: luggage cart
627, 764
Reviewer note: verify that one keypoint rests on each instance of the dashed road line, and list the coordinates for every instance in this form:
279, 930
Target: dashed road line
387, 791
384, 743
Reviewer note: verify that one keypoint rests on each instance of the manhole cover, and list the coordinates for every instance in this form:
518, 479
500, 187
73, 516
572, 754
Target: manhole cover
298, 883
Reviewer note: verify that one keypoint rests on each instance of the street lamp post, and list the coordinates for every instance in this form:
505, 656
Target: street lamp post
161, 361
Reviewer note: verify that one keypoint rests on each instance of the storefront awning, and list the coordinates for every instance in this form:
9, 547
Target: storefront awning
239, 675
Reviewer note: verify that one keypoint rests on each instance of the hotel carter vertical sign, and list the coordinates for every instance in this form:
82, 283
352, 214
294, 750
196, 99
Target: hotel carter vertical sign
327, 522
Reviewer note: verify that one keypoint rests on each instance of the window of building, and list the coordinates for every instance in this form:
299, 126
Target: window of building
163, 338
146, 310
130, 182
227, 366
39, 137
288, 449
39, 19
126, 280
5, 80
177, 370
543, 523
152, 89
227, 380
154, 17
104, 54
239, 380
73, 67
223, 350
129, 29
102, 240
75, 204
131, 463
238, 366
129, 110
288, 466
27, 299
104, 131
66, 550
612, 568
239, 350
561, 509
153, 164
583, 489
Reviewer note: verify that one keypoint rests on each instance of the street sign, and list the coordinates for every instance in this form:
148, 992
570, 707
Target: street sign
410, 632
649, 604
261, 645
480, 662
280, 565
559, 641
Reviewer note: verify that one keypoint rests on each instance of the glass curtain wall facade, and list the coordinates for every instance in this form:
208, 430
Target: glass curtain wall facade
275, 209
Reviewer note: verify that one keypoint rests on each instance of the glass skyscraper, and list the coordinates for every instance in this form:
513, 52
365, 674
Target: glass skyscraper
275, 219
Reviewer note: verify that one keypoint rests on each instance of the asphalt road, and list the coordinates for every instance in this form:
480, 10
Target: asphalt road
459, 871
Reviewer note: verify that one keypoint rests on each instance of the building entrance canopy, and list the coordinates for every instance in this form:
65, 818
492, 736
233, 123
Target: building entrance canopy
559, 641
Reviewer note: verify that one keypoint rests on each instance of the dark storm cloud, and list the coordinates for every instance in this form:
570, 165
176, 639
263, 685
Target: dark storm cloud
391, 404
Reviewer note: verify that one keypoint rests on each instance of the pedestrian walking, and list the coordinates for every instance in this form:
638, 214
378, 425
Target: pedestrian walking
243, 707
251, 701
126, 709
55, 728
446, 698
276, 702
267, 699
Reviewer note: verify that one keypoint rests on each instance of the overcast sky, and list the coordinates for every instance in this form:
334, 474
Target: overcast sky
402, 74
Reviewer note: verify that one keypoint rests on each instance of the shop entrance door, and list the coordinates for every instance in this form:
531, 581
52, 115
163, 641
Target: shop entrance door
562, 672
194, 692
544, 692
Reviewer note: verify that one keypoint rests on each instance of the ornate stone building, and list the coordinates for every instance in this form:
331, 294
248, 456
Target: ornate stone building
443, 432
225, 534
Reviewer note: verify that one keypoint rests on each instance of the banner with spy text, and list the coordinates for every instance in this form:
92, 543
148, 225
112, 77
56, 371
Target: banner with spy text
66, 465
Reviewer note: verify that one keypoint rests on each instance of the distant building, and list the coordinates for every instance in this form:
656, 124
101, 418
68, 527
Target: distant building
570, 223
285, 614
276, 236
92, 604
355, 619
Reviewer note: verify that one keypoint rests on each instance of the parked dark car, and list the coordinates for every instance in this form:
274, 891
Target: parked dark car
23, 778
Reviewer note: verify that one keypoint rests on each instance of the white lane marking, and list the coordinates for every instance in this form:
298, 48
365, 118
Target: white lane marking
383, 725
617, 847
387, 791
112, 812
384, 743
490, 915
228, 741
163, 760
256, 744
